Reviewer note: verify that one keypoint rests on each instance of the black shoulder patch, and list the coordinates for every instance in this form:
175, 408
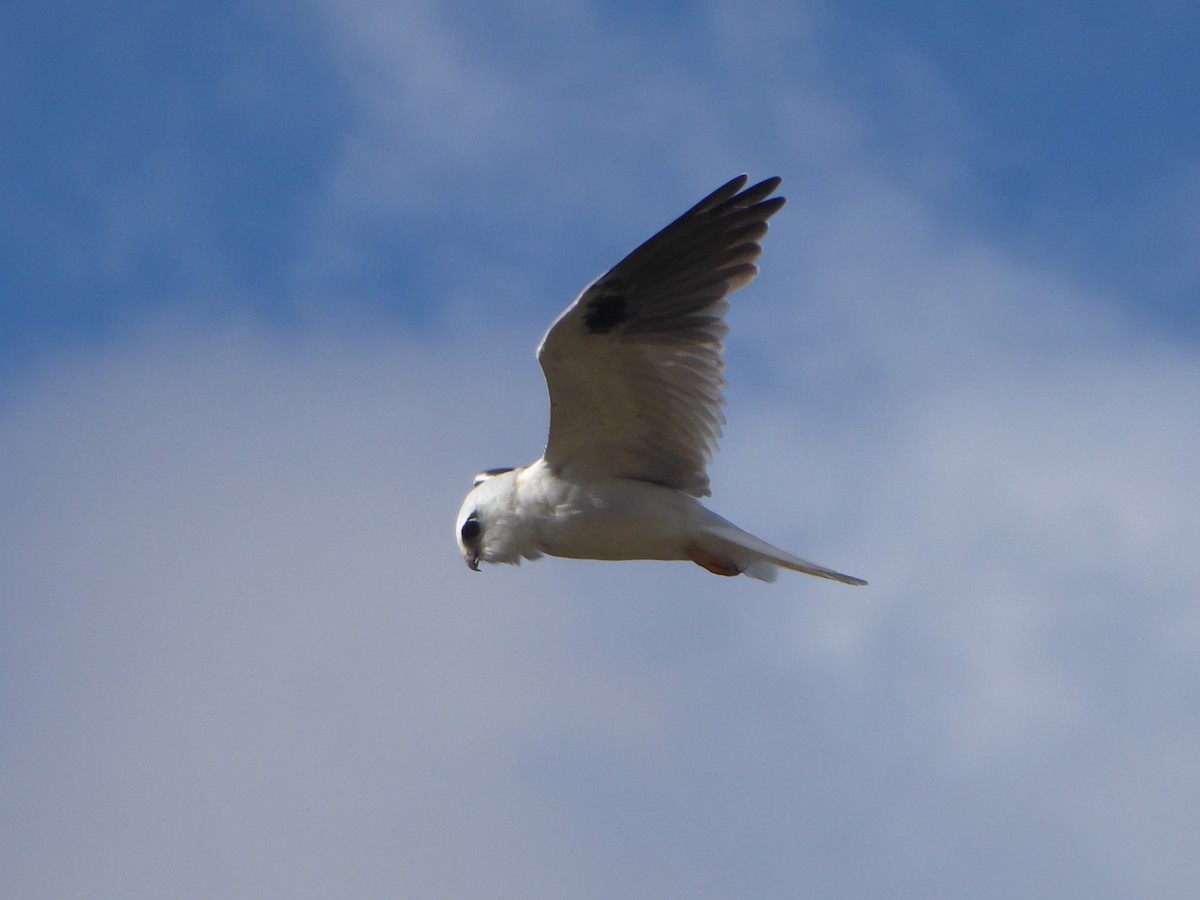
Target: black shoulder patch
605, 313
490, 473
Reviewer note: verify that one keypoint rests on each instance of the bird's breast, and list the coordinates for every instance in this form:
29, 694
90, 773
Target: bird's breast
612, 520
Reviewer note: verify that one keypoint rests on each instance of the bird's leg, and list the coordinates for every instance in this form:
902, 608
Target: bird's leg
715, 564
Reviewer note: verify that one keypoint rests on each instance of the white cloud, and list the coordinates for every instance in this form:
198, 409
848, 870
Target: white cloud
245, 647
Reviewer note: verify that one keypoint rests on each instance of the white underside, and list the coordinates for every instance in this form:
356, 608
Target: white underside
617, 519
622, 519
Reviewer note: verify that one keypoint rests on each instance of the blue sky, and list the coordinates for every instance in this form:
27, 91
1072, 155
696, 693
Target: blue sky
174, 150
271, 277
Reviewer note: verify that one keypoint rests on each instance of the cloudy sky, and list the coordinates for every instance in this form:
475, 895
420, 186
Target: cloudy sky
271, 278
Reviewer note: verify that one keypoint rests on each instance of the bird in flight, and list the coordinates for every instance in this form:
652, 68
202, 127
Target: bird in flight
634, 372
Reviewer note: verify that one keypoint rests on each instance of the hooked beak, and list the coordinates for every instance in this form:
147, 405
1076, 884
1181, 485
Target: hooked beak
472, 561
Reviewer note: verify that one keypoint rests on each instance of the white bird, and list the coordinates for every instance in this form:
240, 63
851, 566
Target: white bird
633, 368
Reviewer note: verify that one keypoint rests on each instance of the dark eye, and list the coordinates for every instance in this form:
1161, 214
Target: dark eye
471, 529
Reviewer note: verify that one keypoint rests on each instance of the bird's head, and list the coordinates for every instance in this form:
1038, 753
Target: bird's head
489, 526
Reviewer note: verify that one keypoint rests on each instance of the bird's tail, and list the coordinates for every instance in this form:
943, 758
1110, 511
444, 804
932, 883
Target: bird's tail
755, 557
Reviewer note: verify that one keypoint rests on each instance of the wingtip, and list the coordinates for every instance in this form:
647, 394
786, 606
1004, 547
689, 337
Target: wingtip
735, 197
721, 195
773, 181
760, 194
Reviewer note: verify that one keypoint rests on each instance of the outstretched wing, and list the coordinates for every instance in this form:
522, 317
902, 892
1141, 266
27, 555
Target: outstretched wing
633, 366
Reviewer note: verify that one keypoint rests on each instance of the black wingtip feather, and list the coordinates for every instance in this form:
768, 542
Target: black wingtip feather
720, 196
750, 197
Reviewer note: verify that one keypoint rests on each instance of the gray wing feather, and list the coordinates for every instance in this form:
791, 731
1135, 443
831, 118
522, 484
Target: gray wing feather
633, 366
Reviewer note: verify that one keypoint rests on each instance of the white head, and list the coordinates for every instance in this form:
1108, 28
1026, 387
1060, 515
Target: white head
489, 527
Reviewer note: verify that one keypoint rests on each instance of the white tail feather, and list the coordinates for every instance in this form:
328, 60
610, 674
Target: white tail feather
758, 559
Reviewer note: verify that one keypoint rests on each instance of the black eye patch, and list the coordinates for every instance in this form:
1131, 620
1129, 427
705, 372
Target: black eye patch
471, 529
